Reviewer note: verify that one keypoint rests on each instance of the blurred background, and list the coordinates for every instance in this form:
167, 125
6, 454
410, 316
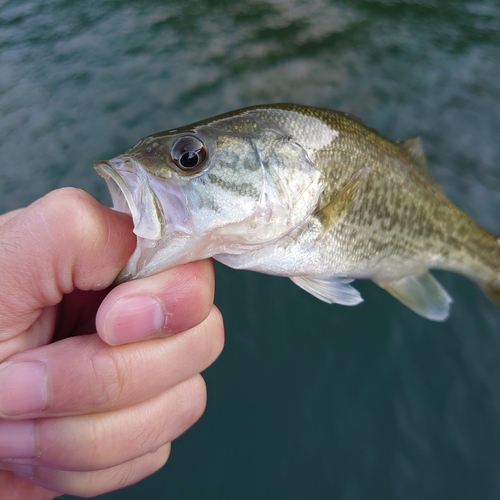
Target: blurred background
307, 400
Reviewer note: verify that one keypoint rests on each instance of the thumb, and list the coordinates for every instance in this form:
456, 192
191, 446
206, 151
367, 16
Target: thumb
63, 241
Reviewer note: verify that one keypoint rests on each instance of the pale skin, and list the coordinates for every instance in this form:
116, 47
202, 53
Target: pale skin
94, 383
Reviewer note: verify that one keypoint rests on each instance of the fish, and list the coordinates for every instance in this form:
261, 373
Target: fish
308, 193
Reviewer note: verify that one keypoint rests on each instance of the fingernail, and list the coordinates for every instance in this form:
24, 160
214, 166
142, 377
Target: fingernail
17, 439
23, 387
132, 319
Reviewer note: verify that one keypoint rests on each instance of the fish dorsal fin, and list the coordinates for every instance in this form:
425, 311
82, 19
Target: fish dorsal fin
415, 148
341, 200
423, 294
331, 290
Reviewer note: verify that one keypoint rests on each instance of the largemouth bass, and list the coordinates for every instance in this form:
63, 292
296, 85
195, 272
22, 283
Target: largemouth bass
308, 193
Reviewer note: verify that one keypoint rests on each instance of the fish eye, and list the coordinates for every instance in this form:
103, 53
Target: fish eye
189, 153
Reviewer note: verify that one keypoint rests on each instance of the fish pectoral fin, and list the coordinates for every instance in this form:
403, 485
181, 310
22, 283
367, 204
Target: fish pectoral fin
340, 201
331, 290
415, 149
423, 294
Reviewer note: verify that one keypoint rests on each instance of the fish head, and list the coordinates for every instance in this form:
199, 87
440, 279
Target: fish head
225, 187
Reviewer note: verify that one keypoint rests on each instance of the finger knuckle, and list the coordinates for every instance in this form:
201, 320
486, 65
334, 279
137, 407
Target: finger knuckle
84, 222
108, 377
73, 205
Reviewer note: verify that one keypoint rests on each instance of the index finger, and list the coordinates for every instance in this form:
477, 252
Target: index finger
63, 241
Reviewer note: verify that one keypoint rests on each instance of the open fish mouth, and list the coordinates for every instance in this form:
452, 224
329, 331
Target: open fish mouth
157, 208
119, 191
132, 194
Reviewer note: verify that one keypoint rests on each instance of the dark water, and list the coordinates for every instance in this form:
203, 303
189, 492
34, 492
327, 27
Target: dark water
307, 400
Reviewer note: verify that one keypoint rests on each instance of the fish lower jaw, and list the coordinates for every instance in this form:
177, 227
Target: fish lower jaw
154, 255
130, 270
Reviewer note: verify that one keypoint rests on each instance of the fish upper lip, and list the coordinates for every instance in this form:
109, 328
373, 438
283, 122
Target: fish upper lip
119, 190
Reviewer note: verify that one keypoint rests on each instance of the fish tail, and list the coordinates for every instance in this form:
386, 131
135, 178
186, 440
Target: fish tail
492, 291
492, 288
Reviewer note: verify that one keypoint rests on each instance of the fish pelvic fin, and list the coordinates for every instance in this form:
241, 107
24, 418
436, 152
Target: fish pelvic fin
340, 201
335, 289
423, 294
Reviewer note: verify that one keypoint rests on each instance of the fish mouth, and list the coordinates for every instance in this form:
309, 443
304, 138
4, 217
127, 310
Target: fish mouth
119, 191
157, 207
131, 194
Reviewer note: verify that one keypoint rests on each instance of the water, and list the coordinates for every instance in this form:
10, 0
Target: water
307, 400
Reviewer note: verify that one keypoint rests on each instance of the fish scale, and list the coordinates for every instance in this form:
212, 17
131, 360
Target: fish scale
303, 192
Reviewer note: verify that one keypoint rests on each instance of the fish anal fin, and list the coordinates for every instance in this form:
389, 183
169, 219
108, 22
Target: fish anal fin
340, 201
415, 148
334, 289
423, 294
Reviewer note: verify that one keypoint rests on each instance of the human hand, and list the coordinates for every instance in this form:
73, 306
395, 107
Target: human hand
84, 412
